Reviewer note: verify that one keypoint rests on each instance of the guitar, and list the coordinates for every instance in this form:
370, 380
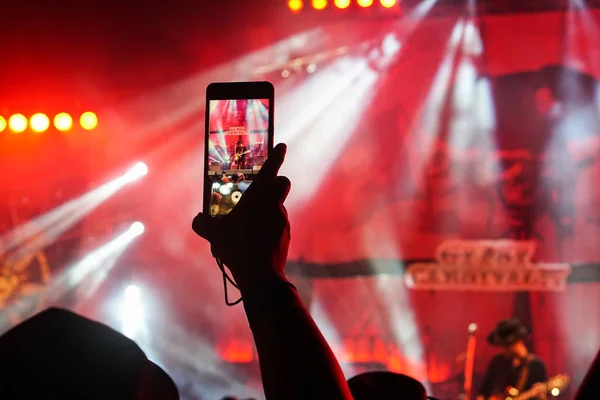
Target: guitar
237, 156
552, 386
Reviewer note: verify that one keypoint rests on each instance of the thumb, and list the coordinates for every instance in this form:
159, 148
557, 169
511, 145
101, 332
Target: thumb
203, 225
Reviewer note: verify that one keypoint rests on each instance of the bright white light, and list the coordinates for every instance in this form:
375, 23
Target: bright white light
555, 392
311, 68
137, 228
225, 190
285, 73
132, 312
138, 170
216, 185
390, 45
472, 327
132, 293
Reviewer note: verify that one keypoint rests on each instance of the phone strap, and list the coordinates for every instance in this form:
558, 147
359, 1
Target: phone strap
226, 279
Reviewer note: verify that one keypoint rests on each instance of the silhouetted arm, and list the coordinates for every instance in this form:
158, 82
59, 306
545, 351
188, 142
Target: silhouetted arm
295, 360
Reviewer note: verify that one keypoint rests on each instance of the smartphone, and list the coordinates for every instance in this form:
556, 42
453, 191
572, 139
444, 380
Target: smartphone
238, 140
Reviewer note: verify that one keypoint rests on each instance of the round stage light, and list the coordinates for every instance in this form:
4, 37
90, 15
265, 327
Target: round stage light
341, 4
17, 123
365, 3
388, 3
132, 293
88, 120
137, 228
295, 5
63, 122
139, 169
319, 4
2, 123
39, 122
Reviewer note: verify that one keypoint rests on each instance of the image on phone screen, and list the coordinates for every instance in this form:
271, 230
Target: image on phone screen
237, 149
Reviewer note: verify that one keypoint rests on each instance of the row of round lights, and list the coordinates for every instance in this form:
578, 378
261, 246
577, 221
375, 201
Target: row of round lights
18, 123
298, 5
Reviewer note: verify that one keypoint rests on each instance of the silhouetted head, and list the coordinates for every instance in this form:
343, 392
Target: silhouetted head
60, 355
383, 385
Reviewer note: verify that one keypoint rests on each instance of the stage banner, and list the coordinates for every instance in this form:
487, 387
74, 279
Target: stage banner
497, 265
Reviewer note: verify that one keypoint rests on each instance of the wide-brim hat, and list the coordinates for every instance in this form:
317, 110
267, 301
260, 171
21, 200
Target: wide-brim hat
381, 384
59, 354
507, 332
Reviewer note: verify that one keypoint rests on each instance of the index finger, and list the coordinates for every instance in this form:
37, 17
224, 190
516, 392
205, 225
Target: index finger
271, 167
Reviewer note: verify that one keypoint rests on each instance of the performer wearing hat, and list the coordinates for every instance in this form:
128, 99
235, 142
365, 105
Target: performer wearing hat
515, 370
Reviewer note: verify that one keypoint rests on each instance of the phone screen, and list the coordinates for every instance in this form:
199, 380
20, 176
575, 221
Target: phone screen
238, 143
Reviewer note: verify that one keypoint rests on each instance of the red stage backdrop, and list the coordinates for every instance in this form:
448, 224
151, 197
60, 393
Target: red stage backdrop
483, 128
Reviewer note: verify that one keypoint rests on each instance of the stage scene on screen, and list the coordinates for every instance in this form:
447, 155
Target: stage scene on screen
237, 149
426, 226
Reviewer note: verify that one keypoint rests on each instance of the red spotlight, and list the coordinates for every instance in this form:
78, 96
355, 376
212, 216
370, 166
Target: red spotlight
342, 4
39, 122
388, 3
365, 3
88, 120
295, 5
319, 4
63, 122
17, 123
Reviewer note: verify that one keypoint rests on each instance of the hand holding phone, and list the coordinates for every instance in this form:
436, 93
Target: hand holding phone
253, 239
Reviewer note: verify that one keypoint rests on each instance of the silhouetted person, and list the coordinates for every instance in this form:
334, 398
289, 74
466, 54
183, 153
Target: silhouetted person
60, 355
295, 360
515, 367
383, 385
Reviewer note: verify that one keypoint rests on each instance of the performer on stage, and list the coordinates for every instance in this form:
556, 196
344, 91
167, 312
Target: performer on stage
515, 368
239, 155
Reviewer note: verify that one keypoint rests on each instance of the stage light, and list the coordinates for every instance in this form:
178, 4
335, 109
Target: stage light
2, 123
555, 392
226, 189
365, 3
17, 123
285, 73
388, 3
137, 171
295, 5
63, 122
137, 228
341, 4
132, 293
88, 120
319, 4
310, 68
39, 122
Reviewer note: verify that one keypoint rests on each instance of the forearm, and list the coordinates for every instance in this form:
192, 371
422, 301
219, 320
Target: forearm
295, 360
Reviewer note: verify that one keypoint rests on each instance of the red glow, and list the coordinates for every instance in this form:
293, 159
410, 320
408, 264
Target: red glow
236, 351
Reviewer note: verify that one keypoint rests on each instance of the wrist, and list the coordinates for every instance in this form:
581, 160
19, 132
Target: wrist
271, 294
256, 282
